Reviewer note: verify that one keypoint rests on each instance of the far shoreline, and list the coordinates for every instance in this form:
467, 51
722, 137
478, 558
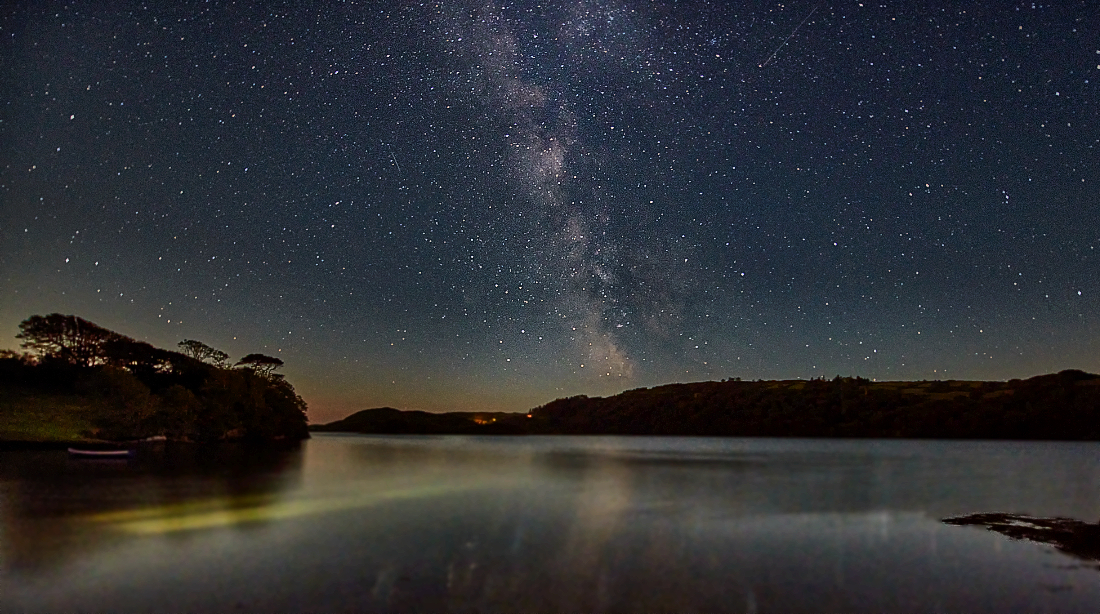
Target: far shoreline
1063, 406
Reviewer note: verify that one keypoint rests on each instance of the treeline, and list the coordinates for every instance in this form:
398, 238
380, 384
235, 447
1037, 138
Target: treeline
1065, 405
137, 390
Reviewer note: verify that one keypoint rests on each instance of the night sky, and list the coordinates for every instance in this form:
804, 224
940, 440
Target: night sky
466, 205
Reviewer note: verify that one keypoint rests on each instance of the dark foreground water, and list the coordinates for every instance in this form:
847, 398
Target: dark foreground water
546, 524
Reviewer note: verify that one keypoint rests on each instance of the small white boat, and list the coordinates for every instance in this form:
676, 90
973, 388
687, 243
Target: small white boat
90, 453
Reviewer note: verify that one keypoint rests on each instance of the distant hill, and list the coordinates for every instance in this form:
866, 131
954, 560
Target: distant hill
1064, 405
387, 420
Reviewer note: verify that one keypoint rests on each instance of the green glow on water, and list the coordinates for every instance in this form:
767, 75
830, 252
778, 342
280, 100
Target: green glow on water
232, 511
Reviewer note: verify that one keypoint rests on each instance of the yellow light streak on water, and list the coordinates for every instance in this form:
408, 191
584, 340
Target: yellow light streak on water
179, 509
233, 511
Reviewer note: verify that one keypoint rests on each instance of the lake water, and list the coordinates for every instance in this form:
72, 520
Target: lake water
545, 524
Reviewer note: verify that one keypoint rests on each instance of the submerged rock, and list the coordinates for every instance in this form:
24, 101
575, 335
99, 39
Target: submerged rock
1073, 537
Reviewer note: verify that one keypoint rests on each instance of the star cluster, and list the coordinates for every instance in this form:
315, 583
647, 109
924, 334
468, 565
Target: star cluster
472, 205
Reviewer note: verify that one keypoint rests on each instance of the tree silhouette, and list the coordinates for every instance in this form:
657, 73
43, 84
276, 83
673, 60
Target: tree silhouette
67, 338
134, 390
261, 364
200, 351
135, 356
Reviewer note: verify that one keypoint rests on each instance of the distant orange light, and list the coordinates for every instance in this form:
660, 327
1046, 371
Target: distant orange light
528, 415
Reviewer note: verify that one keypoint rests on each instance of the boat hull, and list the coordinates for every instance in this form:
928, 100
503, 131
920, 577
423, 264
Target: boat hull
83, 453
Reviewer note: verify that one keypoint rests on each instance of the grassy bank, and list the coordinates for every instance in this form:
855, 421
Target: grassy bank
27, 416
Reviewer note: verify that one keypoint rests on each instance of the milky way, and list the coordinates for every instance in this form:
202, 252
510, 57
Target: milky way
567, 249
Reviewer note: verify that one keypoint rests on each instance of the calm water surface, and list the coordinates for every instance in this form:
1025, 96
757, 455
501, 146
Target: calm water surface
545, 524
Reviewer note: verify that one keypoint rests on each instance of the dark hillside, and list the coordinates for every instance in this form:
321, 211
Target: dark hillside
1065, 405
387, 420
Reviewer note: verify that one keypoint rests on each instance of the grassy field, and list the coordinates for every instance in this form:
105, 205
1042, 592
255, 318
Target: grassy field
41, 417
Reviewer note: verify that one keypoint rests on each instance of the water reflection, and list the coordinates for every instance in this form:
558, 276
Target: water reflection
48, 498
530, 524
